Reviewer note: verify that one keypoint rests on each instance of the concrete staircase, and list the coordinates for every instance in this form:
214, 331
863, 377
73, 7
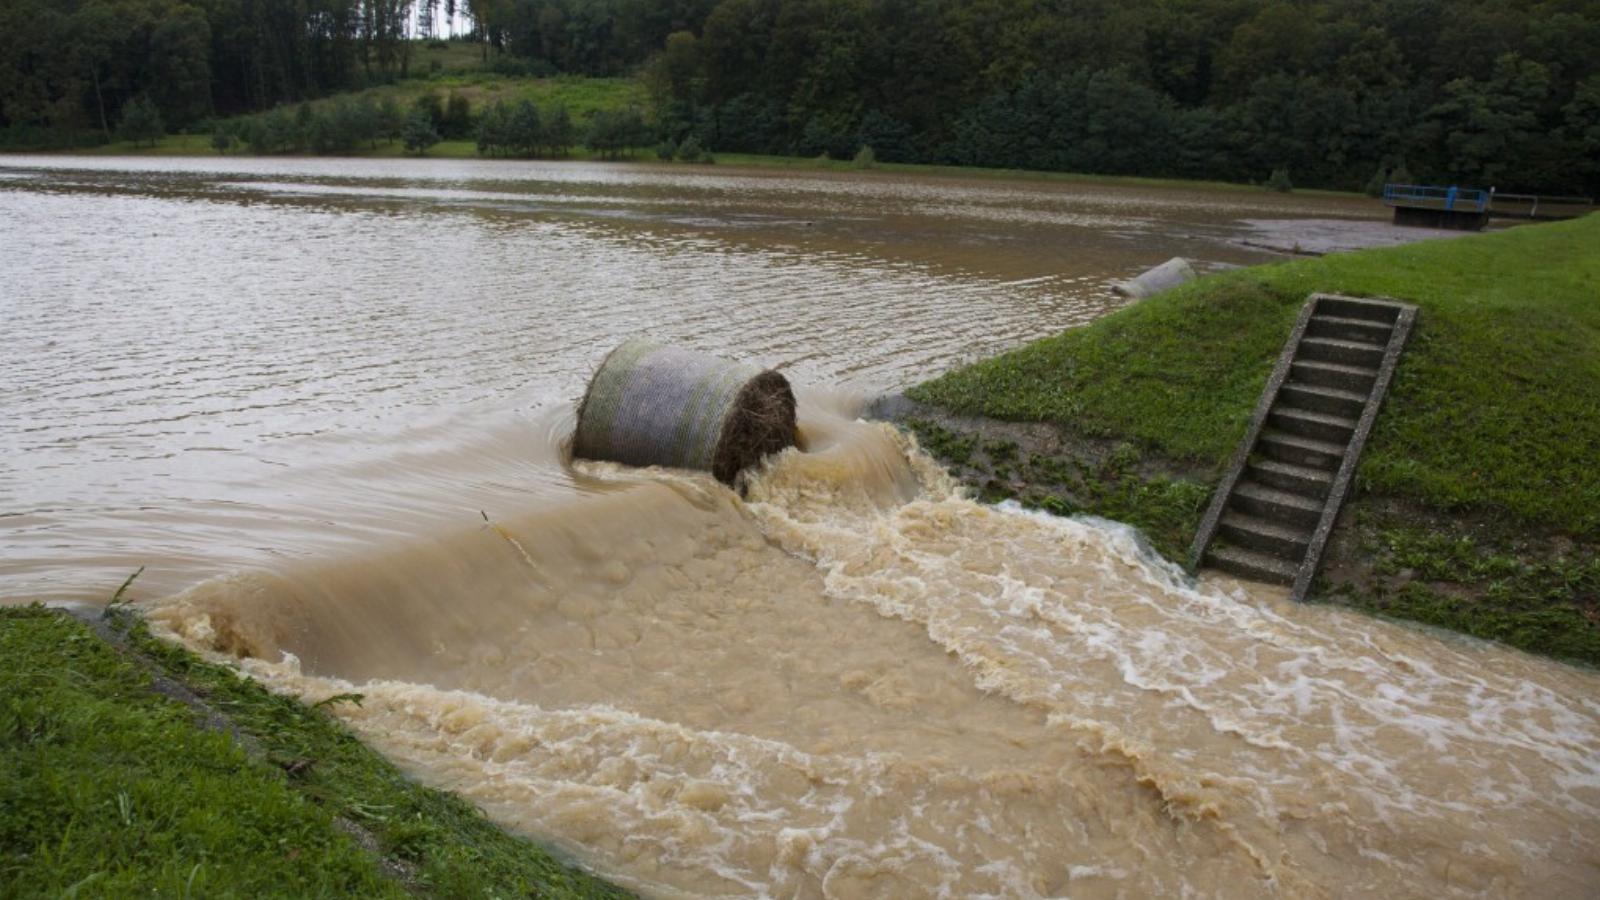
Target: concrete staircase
1271, 515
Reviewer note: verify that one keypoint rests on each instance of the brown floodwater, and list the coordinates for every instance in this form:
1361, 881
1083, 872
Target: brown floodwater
323, 402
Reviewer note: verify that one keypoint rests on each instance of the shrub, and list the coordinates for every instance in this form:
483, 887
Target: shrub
614, 132
222, 138
1280, 181
433, 105
457, 121
141, 121
492, 130
690, 150
1376, 182
391, 121
418, 134
865, 159
524, 132
558, 131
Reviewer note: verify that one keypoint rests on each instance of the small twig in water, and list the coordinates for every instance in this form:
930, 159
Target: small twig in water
117, 604
117, 597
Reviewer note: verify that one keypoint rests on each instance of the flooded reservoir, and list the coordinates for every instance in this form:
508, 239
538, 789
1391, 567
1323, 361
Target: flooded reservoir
324, 402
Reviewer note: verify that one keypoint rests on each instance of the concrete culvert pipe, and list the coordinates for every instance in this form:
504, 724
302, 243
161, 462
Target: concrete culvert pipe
654, 405
1169, 274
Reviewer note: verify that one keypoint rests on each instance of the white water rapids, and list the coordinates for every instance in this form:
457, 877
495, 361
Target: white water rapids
857, 683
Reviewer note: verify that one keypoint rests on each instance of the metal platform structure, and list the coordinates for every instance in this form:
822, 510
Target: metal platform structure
1469, 209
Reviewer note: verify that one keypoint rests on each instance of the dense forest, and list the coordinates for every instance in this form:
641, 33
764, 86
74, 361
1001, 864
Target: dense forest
1501, 93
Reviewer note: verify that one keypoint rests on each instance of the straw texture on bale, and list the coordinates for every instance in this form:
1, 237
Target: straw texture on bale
1166, 276
654, 405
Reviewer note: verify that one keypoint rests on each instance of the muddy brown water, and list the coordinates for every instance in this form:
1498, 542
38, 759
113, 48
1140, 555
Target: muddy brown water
323, 402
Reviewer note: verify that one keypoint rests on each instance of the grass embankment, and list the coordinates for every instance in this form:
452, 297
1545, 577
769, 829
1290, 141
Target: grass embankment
113, 788
1477, 501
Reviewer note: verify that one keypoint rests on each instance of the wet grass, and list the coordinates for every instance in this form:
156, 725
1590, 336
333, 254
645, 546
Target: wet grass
1490, 435
1535, 598
1495, 408
112, 789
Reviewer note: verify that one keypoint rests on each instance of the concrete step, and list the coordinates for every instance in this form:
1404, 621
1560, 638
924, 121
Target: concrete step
1335, 375
1304, 422
1283, 507
1301, 451
1290, 477
1349, 353
1354, 308
1331, 374
1347, 329
1287, 542
1331, 400
1251, 564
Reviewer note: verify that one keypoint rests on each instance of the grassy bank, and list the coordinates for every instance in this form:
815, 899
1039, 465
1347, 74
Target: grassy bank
134, 767
1477, 503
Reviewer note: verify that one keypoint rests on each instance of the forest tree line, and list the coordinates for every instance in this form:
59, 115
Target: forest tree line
1501, 93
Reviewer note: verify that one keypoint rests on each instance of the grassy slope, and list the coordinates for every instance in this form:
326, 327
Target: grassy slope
1491, 430
113, 788
1496, 407
458, 67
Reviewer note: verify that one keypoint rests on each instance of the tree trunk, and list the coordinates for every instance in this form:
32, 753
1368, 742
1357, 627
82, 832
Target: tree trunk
100, 101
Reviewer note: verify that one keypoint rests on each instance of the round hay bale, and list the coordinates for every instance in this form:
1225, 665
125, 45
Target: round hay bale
654, 405
1166, 276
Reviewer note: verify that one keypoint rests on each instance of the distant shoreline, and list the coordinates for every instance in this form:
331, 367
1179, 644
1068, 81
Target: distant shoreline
199, 145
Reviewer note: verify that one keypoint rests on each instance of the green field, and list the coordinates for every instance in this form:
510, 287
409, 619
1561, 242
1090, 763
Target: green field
114, 788
1489, 437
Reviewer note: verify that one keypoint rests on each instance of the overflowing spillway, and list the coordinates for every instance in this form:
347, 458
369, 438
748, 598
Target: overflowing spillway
854, 682
320, 407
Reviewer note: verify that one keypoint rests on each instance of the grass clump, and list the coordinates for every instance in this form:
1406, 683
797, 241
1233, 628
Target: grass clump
111, 790
118, 790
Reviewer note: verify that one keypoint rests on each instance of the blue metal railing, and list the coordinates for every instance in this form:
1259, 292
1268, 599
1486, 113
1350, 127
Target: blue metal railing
1431, 197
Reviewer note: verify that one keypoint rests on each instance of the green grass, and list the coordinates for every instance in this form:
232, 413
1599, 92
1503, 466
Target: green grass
582, 96
112, 790
448, 57
1535, 601
1495, 408
1477, 501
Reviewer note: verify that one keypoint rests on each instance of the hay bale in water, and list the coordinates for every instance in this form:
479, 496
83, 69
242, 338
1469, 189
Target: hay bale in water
1169, 274
654, 405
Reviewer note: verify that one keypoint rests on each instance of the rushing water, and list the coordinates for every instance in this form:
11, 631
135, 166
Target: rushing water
324, 403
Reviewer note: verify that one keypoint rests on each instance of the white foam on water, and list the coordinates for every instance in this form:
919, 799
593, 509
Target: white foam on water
855, 682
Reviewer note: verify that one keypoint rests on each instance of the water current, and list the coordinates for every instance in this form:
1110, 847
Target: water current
324, 403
